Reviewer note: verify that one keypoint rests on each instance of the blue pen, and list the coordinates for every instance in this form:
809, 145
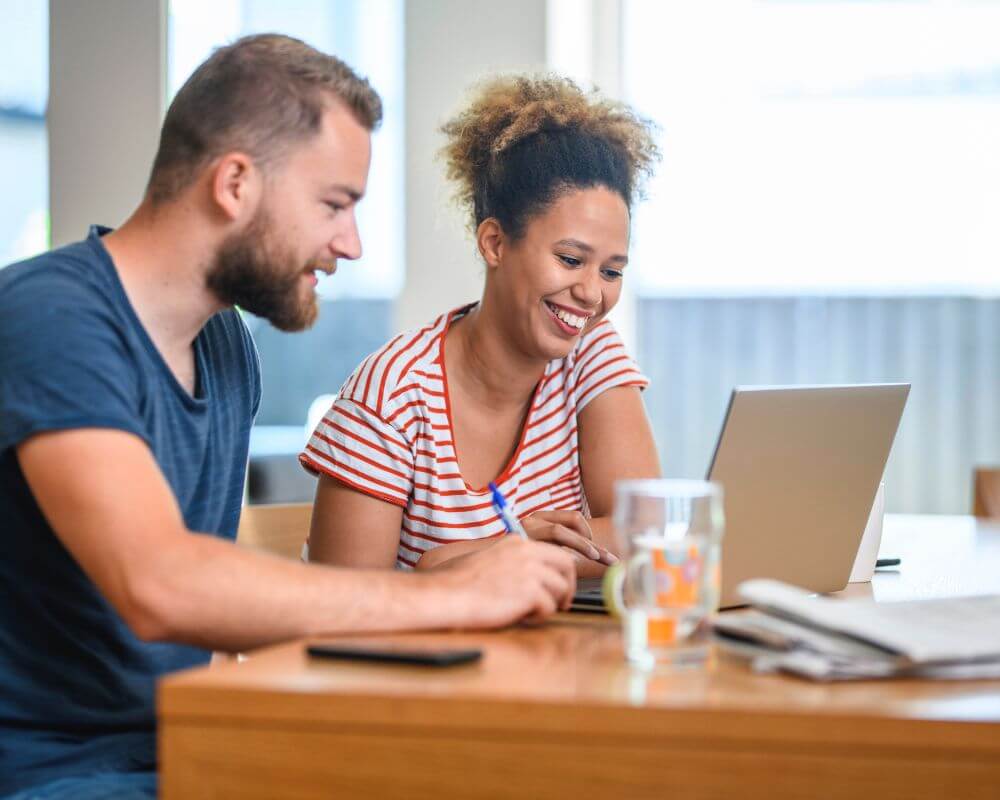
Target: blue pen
510, 522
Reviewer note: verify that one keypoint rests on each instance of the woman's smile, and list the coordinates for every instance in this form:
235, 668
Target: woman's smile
567, 322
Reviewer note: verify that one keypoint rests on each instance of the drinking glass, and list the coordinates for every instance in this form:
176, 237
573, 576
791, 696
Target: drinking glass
667, 585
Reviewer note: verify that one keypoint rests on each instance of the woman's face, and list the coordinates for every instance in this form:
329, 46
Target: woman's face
564, 274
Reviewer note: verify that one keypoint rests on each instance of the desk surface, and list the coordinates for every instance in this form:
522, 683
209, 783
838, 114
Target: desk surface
554, 709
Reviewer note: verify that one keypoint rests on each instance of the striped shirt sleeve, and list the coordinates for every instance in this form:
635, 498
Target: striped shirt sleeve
602, 363
357, 447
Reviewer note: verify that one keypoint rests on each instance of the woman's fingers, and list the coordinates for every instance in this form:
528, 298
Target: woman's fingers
570, 529
560, 534
606, 557
571, 519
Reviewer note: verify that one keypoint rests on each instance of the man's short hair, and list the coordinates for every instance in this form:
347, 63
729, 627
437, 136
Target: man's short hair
260, 95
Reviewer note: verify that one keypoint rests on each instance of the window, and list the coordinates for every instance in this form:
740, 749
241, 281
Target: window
819, 147
24, 90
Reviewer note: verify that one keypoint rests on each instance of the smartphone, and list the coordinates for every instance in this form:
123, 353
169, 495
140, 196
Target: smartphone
394, 655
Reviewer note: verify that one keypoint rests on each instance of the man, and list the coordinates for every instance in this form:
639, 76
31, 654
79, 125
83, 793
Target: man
128, 385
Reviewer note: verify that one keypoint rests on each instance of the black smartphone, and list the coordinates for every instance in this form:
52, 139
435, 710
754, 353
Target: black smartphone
394, 655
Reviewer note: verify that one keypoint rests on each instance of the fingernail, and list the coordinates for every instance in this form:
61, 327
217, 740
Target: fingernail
611, 558
595, 554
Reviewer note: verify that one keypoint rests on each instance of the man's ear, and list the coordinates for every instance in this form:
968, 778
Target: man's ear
491, 240
236, 185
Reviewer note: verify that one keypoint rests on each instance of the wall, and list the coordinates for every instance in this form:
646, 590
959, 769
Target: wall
106, 99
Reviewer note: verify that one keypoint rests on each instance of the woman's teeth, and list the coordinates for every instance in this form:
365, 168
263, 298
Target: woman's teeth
570, 319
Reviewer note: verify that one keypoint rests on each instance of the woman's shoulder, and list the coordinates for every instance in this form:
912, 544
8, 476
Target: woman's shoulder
598, 362
407, 364
601, 338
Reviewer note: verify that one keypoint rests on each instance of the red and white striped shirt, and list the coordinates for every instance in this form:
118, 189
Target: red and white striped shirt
389, 434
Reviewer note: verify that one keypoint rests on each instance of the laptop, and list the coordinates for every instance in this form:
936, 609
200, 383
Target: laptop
799, 467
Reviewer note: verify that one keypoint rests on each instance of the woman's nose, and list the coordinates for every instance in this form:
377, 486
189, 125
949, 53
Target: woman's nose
587, 289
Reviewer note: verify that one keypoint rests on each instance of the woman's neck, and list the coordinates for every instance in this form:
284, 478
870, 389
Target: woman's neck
488, 368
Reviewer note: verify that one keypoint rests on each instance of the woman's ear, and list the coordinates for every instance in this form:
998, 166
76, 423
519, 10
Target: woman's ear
490, 238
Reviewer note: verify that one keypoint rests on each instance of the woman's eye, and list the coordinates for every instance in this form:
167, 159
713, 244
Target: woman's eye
334, 207
570, 261
612, 274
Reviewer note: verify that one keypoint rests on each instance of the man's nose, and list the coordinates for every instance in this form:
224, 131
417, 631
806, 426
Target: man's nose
347, 242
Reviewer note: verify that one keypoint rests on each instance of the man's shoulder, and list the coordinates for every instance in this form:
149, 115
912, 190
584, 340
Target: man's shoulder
67, 359
65, 278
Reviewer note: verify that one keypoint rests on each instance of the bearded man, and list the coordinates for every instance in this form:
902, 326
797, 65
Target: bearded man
128, 386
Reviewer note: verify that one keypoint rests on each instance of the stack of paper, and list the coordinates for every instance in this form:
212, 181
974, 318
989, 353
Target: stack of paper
791, 630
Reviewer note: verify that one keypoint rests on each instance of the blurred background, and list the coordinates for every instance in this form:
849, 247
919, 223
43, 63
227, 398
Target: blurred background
827, 209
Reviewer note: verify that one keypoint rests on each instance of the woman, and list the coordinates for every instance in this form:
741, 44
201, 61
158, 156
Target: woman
531, 386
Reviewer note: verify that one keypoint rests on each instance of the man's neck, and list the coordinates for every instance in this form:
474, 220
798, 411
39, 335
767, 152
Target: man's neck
162, 261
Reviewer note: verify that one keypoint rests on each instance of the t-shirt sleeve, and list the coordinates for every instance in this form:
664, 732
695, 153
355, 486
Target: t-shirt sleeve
602, 363
62, 367
357, 447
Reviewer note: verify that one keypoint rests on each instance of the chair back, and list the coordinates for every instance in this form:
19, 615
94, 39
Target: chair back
278, 528
986, 492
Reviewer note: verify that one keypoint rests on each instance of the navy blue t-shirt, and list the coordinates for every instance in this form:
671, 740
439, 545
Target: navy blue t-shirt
76, 686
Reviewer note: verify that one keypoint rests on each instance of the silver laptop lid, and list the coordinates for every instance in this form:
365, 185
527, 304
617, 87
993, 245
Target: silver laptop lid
799, 466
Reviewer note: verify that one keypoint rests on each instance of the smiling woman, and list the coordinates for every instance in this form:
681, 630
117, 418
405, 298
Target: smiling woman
531, 387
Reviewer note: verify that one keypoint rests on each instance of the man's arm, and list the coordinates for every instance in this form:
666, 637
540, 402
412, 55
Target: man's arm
108, 502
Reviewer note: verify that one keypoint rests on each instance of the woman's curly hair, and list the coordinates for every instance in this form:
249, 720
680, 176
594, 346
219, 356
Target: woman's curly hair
524, 140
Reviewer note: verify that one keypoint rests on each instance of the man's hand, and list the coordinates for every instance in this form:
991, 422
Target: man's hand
569, 529
508, 582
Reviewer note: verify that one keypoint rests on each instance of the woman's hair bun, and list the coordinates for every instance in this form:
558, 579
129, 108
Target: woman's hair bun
558, 124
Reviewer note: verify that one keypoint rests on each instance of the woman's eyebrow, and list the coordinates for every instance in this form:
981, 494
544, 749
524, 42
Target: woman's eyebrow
586, 248
577, 244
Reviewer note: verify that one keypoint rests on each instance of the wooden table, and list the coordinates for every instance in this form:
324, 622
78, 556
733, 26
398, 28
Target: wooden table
554, 711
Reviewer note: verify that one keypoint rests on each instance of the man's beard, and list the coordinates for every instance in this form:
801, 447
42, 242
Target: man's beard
256, 272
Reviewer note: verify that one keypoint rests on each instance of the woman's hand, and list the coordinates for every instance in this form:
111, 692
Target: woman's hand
569, 529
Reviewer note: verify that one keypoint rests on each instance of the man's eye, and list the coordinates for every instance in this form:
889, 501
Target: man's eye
570, 261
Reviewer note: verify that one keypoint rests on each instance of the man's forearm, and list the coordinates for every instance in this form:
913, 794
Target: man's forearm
169, 584
213, 594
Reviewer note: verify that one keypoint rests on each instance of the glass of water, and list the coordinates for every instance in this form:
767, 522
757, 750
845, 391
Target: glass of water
667, 585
